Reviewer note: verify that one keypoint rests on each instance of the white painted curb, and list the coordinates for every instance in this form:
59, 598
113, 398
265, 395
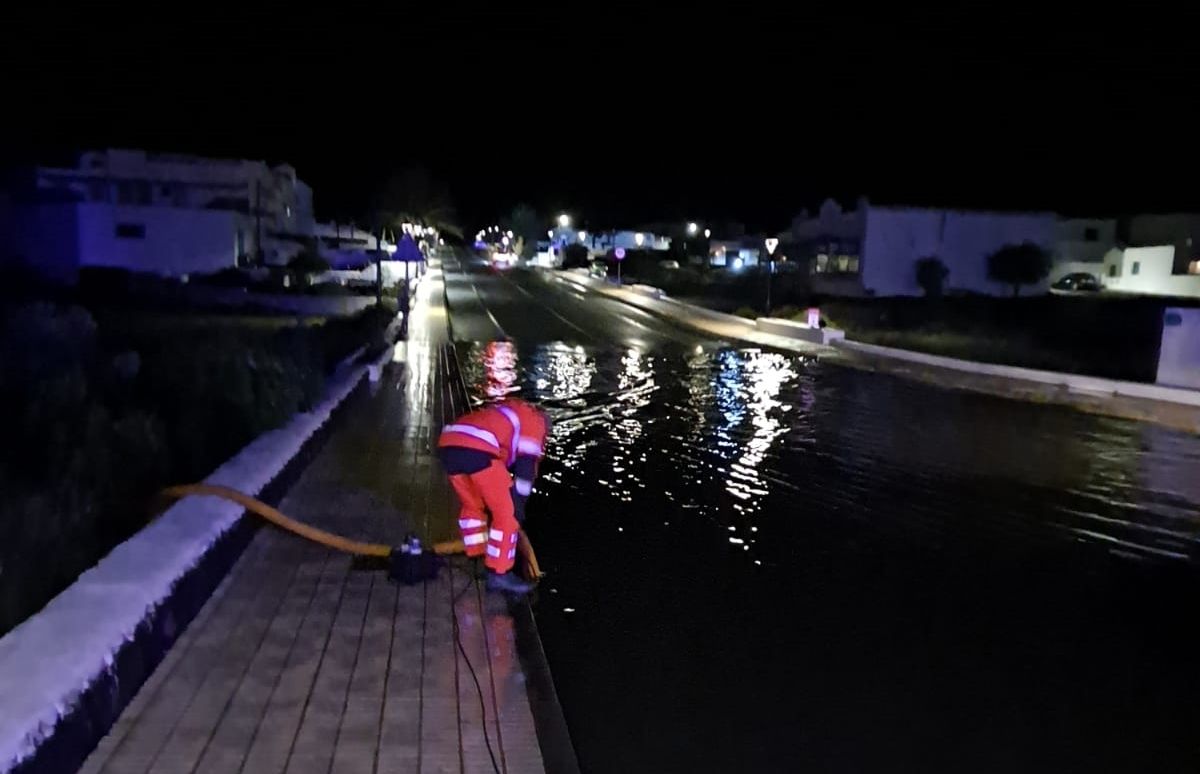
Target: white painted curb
1091, 385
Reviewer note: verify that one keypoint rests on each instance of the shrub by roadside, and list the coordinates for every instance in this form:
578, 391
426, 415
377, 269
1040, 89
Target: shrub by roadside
94, 422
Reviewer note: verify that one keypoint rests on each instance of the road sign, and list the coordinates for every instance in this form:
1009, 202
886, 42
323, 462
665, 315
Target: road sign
620, 253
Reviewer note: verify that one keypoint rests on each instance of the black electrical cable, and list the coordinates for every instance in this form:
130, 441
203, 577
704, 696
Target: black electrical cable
478, 688
462, 383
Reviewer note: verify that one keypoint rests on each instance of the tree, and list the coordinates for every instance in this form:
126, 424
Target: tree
527, 229
413, 196
1017, 265
931, 275
575, 256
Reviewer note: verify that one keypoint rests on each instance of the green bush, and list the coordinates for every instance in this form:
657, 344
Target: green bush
95, 422
747, 312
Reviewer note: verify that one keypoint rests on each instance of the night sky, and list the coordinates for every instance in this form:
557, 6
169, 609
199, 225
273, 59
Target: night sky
632, 119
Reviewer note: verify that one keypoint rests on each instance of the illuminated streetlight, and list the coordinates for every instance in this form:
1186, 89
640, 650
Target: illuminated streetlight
639, 237
504, 241
510, 234
550, 233
564, 220
707, 233
692, 228
582, 236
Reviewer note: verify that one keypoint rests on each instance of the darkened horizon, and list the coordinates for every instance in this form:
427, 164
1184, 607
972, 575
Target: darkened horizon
621, 140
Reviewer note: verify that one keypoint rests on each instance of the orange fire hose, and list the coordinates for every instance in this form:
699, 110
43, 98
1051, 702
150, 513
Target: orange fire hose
337, 542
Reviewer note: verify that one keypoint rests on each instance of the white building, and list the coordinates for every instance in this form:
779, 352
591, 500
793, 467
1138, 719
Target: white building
732, 254
1180, 230
872, 250
166, 214
1147, 254
1149, 271
601, 242
57, 239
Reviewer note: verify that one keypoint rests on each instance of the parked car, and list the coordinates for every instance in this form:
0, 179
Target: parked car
669, 264
598, 269
1079, 282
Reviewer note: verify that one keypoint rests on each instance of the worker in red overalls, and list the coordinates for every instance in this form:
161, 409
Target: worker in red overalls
491, 456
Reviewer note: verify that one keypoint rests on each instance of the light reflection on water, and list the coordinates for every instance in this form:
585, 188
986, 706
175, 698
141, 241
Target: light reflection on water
740, 439
796, 552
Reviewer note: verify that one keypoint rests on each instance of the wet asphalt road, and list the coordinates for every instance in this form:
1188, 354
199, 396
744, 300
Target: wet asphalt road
487, 305
759, 562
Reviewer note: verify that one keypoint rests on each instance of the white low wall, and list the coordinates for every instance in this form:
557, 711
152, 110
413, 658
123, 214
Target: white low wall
1179, 356
647, 290
48, 661
1177, 285
795, 330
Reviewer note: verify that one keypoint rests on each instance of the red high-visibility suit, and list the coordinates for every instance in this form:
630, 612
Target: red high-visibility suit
478, 451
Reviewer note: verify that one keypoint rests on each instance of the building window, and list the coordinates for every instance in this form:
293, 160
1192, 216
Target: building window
1136, 265
1091, 234
1112, 270
131, 231
133, 192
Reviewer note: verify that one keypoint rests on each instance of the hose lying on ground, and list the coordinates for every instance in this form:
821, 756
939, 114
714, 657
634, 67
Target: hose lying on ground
336, 542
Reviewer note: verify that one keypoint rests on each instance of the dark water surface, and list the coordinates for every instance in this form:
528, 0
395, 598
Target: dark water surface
761, 563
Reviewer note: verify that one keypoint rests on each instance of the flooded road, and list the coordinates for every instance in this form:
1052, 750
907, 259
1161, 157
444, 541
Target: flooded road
765, 563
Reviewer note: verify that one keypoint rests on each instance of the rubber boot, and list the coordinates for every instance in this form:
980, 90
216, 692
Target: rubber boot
508, 583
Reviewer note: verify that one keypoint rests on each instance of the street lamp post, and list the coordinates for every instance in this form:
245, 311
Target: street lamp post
771, 243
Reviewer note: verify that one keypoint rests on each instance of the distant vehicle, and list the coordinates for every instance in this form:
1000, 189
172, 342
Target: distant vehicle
598, 269
669, 264
1079, 282
504, 260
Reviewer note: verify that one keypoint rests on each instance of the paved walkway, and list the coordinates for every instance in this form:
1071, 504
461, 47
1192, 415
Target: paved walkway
304, 661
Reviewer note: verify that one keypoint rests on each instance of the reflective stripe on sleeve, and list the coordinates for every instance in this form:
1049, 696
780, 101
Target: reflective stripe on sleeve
474, 540
496, 535
529, 446
493, 551
469, 523
475, 432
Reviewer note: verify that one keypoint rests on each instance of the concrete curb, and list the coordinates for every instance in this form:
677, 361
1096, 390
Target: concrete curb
1088, 385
